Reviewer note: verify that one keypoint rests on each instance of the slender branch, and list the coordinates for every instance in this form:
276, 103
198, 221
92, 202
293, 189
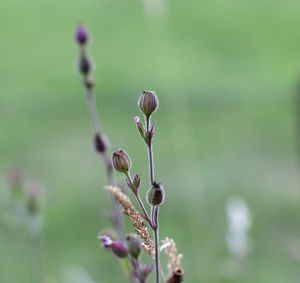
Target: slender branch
140, 202
156, 243
117, 214
154, 212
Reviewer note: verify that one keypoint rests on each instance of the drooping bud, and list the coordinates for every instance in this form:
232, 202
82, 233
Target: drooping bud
121, 161
81, 35
85, 64
134, 245
176, 276
155, 195
119, 249
148, 102
136, 182
100, 142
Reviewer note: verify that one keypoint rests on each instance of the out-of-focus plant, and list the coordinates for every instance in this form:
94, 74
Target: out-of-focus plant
131, 248
27, 204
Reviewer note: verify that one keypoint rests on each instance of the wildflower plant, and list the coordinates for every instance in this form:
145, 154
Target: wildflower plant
145, 217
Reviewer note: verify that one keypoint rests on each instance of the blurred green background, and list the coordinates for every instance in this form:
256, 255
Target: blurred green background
225, 73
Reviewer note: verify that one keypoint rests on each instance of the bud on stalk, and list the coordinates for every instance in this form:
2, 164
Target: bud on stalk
119, 249
121, 161
134, 245
148, 102
155, 195
100, 143
85, 64
81, 35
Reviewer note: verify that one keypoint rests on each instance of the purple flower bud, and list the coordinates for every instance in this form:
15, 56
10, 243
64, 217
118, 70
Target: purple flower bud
148, 102
155, 195
81, 35
119, 249
121, 161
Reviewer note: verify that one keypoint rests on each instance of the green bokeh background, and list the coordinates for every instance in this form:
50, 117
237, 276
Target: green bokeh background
225, 73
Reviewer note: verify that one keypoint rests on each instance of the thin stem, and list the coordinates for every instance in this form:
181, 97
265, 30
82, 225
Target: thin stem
140, 202
154, 212
156, 244
117, 215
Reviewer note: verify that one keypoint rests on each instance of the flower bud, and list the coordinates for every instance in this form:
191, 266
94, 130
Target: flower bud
148, 102
81, 35
85, 64
136, 182
155, 195
100, 142
134, 245
119, 249
176, 276
139, 126
121, 161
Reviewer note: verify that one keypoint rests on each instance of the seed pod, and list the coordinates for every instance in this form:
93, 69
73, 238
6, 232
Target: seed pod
81, 35
100, 143
134, 245
155, 195
119, 249
85, 64
148, 102
121, 161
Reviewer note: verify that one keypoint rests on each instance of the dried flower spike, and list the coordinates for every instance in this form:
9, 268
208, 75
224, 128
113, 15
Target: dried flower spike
121, 161
148, 102
81, 35
135, 217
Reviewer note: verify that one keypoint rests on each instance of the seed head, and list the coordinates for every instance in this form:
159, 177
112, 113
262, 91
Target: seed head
121, 161
81, 35
148, 102
134, 245
155, 195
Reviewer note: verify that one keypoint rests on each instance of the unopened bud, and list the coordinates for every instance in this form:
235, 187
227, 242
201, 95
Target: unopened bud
134, 245
121, 161
139, 126
119, 249
81, 35
148, 102
100, 142
136, 182
176, 276
155, 195
85, 64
